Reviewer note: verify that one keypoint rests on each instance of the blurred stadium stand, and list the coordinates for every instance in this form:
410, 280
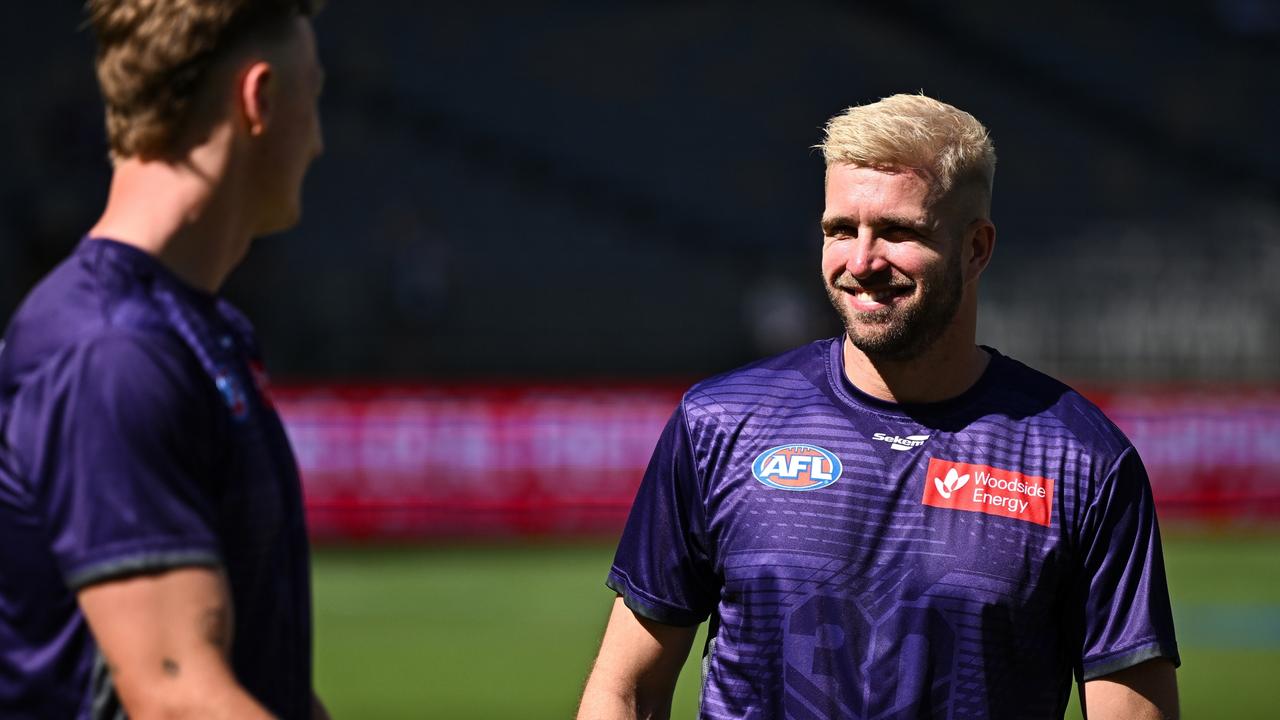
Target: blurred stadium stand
626, 191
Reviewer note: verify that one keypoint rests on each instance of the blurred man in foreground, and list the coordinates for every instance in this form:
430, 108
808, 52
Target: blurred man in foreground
895, 523
153, 550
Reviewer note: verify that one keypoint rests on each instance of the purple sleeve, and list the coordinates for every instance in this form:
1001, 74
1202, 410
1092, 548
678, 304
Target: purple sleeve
663, 569
120, 476
1126, 614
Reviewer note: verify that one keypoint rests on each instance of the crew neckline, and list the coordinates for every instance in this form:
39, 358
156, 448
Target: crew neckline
851, 394
140, 259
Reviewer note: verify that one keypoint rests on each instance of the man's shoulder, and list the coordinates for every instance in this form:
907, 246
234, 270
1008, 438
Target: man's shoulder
76, 307
795, 376
1036, 396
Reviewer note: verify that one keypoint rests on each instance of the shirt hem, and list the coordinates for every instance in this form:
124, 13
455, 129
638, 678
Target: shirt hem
140, 563
1094, 669
650, 608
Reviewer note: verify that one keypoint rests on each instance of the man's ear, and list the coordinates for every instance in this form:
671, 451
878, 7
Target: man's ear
257, 97
979, 245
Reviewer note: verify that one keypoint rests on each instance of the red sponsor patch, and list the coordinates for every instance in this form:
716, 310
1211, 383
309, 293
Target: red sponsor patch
982, 488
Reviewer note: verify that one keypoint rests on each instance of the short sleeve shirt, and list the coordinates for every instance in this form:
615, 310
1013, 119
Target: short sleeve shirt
134, 437
859, 558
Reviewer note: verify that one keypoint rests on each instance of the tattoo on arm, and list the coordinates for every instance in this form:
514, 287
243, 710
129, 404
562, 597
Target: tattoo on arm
217, 628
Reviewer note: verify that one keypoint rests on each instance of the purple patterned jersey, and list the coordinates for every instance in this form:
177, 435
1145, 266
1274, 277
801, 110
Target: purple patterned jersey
134, 438
864, 559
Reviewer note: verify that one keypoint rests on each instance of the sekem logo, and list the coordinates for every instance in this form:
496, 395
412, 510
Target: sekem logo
901, 444
797, 467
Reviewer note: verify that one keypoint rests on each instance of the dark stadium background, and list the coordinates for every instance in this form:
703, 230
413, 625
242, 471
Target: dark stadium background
554, 214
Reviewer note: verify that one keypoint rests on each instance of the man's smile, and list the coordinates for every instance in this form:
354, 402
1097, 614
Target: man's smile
871, 299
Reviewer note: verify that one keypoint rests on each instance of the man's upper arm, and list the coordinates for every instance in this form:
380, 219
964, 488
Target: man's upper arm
165, 637
639, 662
1147, 691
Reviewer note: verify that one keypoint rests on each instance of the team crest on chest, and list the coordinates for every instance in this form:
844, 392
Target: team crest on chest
797, 467
232, 392
986, 489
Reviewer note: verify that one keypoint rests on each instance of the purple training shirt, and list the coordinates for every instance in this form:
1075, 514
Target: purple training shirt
134, 438
864, 559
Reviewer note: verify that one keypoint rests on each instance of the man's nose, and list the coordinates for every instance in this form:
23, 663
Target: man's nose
864, 255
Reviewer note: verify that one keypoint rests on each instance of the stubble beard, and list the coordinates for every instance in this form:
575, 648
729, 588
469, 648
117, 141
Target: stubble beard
904, 332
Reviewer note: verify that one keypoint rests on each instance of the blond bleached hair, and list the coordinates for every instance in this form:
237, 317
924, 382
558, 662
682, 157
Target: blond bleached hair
946, 145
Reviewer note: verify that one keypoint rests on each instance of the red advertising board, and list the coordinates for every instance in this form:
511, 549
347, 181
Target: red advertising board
432, 461
429, 461
1212, 453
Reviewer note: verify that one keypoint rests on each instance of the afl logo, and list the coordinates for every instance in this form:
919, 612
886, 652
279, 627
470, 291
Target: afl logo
797, 467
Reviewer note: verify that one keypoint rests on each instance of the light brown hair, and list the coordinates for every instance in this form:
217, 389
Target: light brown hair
946, 145
154, 55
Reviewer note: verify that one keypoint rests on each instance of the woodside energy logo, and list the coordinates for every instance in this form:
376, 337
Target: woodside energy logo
991, 490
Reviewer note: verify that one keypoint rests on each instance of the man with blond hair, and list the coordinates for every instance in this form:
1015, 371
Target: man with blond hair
153, 550
897, 522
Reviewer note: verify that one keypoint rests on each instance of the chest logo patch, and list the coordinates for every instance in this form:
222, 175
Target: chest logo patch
991, 490
797, 467
232, 393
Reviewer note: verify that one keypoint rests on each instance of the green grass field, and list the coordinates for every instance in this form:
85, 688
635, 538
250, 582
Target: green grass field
510, 631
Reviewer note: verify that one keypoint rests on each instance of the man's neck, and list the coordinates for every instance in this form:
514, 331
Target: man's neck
944, 371
181, 213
